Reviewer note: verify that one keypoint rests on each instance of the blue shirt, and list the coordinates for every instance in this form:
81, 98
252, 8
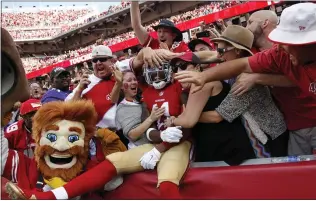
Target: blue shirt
54, 95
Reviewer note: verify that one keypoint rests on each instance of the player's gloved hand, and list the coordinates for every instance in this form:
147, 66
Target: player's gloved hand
171, 134
150, 159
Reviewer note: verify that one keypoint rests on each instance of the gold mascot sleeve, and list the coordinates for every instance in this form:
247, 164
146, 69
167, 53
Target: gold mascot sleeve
111, 143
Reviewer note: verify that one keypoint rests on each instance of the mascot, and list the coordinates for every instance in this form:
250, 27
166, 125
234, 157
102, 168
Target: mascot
171, 158
62, 132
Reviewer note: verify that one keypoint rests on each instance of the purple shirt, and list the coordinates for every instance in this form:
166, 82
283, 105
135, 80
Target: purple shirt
54, 95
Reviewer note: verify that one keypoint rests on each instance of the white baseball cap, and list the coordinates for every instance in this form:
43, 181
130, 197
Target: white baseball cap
297, 25
101, 51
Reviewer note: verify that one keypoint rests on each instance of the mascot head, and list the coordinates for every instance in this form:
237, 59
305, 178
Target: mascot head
62, 131
14, 85
158, 77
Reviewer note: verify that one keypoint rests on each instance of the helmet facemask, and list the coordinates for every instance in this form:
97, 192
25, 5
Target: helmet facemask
158, 77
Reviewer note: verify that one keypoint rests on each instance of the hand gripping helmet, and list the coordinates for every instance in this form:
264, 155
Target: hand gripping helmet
158, 77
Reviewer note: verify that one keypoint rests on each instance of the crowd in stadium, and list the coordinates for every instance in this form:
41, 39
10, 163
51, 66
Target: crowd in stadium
238, 91
41, 18
33, 63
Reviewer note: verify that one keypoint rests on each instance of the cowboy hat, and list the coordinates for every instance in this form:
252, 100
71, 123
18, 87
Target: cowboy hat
237, 36
168, 24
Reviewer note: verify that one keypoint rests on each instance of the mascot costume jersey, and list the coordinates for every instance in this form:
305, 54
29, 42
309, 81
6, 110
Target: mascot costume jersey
171, 164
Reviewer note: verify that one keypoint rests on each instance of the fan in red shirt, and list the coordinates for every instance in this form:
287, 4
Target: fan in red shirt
169, 36
202, 44
19, 134
294, 57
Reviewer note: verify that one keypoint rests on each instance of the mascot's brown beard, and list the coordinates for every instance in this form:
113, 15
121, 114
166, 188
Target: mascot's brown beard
65, 174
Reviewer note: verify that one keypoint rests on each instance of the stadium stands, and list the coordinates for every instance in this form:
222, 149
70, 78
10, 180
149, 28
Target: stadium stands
35, 63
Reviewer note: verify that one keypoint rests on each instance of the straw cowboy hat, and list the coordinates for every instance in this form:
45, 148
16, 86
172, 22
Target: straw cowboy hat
237, 36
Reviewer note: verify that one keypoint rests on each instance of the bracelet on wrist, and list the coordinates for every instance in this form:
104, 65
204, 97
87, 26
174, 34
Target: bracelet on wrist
148, 132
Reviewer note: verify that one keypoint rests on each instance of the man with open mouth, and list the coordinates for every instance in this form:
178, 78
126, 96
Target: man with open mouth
169, 36
35, 91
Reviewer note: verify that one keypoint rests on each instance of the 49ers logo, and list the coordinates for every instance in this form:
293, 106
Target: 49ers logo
161, 120
13, 127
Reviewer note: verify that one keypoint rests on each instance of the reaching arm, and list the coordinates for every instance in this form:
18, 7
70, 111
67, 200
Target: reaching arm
140, 31
233, 106
247, 81
207, 56
273, 80
210, 117
226, 70
137, 132
150, 57
115, 93
138, 61
193, 111
76, 95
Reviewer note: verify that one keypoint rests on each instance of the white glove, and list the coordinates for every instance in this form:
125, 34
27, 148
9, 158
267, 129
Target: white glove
171, 134
150, 159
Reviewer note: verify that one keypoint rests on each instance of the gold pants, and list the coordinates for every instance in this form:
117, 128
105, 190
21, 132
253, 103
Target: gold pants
171, 167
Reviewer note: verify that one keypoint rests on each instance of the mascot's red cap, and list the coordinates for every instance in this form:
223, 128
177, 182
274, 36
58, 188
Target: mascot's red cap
30, 106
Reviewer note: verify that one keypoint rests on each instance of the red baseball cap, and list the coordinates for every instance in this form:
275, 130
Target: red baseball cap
187, 57
30, 105
190, 57
204, 40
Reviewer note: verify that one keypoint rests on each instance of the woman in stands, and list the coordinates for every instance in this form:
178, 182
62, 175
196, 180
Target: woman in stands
132, 115
263, 120
215, 139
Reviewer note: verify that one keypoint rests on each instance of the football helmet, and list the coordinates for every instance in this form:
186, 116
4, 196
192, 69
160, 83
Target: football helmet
158, 77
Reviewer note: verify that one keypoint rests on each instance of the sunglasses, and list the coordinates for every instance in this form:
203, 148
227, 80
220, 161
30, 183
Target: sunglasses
95, 60
222, 51
182, 66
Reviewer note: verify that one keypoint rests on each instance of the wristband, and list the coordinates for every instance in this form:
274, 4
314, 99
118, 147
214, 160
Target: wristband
156, 152
148, 131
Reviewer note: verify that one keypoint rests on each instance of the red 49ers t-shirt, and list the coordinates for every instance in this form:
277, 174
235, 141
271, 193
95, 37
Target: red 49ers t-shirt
298, 104
177, 47
99, 95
